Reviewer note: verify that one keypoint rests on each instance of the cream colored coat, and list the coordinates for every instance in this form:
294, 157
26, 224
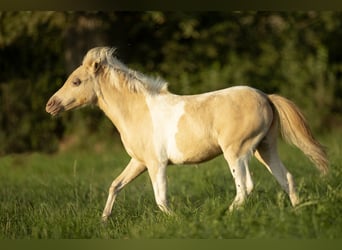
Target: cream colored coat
158, 128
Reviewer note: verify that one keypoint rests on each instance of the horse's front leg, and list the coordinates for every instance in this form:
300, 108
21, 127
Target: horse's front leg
157, 174
132, 170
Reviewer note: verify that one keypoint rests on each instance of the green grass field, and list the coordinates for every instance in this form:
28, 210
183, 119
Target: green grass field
62, 196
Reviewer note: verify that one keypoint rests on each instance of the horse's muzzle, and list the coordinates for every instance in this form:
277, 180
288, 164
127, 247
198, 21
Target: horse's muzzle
54, 106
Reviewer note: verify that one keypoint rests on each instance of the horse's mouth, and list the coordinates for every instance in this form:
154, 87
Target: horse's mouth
54, 106
56, 110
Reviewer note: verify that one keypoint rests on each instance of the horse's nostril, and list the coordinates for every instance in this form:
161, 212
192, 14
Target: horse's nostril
53, 106
50, 103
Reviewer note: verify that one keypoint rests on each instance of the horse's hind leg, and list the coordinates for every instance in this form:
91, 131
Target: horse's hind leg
243, 181
267, 154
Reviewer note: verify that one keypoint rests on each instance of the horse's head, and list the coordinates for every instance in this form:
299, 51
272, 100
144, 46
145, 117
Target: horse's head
78, 90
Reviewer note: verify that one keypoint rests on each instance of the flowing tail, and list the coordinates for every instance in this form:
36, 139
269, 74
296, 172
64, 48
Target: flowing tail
295, 130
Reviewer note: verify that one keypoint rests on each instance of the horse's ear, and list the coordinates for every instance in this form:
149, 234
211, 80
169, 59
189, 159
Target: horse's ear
96, 66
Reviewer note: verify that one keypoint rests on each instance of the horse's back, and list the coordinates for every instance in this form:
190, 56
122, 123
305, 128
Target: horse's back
229, 109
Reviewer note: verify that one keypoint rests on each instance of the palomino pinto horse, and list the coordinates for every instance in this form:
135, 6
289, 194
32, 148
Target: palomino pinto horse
158, 128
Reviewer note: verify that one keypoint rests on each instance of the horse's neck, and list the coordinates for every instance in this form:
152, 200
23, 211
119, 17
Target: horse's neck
124, 108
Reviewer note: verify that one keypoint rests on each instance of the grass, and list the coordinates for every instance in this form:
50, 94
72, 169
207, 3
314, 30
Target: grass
62, 196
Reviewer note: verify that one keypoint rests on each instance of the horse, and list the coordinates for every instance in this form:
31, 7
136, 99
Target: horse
159, 128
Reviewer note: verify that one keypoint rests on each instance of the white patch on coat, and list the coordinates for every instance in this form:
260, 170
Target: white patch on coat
166, 112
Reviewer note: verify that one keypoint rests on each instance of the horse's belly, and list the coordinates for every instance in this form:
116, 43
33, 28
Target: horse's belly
190, 150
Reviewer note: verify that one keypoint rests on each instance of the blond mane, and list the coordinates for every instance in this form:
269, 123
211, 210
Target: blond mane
135, 81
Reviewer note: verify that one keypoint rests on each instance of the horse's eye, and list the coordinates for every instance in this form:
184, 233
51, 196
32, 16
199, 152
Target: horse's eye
76, 82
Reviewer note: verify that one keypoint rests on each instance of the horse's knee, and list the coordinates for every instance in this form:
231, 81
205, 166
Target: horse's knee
115, 188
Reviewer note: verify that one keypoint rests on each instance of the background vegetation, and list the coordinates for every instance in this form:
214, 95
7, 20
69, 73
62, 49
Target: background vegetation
296, 54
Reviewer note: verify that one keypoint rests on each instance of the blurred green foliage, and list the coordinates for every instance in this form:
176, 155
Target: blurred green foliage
296, 54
